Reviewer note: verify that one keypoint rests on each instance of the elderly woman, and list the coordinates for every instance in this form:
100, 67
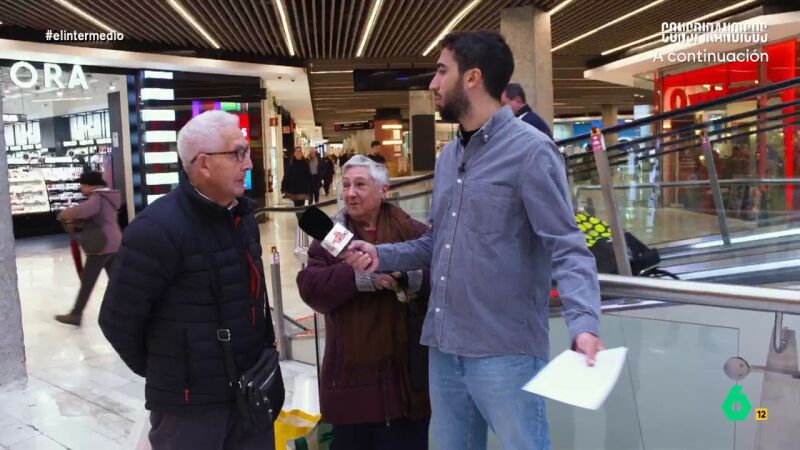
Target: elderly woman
374, 387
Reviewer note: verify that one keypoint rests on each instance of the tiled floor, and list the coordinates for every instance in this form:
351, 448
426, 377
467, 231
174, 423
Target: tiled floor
79, 394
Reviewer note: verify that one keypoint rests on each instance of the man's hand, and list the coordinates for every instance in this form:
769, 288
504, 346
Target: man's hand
384, 281
363, 256
589, 345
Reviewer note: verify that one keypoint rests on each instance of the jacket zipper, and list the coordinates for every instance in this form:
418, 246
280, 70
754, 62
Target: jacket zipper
187, 373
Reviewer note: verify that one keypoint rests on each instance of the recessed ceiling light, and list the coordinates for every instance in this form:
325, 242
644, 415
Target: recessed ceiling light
452, 24
287, 34
655, 35
608, 24
86, 16
194, 23
373, 16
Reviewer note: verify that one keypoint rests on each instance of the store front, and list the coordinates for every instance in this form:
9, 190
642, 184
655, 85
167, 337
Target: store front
61, 120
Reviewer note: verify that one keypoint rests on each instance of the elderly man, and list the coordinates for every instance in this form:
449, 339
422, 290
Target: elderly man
503, 229
190, 265
374, 376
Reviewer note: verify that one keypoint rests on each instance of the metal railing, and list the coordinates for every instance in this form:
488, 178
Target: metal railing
777, 301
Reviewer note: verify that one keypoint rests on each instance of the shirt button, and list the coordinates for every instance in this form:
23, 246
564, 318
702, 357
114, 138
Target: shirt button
437, 309
454, 213
447, 246
459, 181
485, 136
442, 278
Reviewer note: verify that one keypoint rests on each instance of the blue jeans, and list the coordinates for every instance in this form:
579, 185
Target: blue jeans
467, 394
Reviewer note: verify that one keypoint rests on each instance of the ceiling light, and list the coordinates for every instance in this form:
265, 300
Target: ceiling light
373, 16
112, 87
392, 142
285, 23
450, 25
6, 91
196, 25
655, 35
86, 16
390, 126
560, 6
62, 99
331, 71
60, 94
608, 24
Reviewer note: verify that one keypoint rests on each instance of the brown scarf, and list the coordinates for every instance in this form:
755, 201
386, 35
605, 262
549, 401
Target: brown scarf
374, 325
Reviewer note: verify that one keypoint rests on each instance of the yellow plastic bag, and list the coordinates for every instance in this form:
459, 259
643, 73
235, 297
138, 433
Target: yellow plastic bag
292, 425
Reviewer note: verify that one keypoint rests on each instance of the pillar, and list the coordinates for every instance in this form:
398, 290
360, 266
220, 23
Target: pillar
422, 119
527, 31
12, 348
610, 113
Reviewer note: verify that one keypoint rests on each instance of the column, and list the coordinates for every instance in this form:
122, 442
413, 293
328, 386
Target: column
610, 113
527, 31
422, 119
12, 348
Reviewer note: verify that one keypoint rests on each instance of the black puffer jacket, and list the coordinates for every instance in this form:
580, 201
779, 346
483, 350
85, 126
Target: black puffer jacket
159, 312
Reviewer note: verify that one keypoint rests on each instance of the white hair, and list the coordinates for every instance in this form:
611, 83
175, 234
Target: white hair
377, 171
202, 134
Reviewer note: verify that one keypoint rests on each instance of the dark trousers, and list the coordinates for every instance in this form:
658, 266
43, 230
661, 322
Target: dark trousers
401, 434
218, 428
316, 183
296, 204
91, 271
326, 184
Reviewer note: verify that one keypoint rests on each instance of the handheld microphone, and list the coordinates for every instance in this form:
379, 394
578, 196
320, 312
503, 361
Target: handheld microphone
333, 237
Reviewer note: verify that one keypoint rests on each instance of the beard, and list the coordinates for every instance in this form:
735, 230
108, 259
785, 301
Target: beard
456, 106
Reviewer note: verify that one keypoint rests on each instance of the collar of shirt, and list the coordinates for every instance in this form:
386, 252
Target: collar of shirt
231, 205
494, 123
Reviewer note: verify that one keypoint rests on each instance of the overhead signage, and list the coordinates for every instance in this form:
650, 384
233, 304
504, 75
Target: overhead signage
52, 76
353, 126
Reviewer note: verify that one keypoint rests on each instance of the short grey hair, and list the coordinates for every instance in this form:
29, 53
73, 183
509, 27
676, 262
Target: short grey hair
377, 171
202, 134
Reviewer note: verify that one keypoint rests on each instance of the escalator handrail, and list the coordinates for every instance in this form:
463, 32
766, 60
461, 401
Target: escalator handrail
700, 293
699, 183
761, 90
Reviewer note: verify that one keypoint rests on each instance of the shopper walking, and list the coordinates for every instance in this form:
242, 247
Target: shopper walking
100, 236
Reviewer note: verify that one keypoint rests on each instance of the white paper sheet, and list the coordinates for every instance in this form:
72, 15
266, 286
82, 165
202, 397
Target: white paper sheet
568, 379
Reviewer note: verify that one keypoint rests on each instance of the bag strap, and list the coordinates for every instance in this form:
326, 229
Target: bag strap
224, 337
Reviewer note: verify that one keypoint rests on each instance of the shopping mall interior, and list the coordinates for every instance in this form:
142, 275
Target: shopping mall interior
681, 151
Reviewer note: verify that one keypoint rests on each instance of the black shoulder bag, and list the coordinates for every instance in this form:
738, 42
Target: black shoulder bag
259, 390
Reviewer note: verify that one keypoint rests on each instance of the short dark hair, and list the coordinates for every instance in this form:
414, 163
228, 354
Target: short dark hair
484, 50
374, 143
514, 90
92, 179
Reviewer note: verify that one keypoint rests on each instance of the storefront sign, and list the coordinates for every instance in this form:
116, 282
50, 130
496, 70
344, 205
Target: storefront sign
52, 76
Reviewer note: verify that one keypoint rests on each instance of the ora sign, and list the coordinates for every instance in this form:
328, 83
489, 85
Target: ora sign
52, 75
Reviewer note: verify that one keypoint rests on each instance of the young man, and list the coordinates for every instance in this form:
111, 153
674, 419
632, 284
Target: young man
194, 247
514, 96
375, 152
503, 229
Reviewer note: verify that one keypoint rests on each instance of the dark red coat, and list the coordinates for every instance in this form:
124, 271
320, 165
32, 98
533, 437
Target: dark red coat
328, 285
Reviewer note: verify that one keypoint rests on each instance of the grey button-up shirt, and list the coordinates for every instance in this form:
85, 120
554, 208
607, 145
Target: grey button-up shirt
503, 228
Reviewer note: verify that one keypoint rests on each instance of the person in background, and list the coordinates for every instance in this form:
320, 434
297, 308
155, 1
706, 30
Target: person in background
514, 96
374, 374
190, 267
329, 170
375, 152
316, 169
100, 236
297, 181
503, 228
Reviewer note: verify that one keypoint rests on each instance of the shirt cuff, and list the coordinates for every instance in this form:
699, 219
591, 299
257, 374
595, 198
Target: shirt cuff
414, 281
583, 324
364, 282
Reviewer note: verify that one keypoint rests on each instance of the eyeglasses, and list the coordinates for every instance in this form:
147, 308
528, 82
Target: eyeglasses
241, 153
